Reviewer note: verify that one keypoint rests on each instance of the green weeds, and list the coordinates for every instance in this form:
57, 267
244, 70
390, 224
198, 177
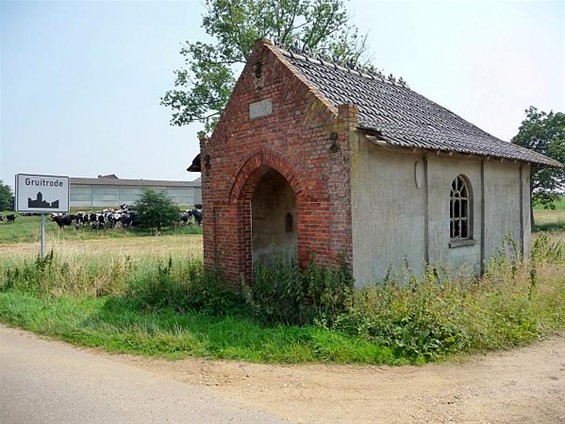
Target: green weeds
284, 294
175, 308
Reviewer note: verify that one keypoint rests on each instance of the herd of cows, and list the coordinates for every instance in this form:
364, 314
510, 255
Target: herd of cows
110, 218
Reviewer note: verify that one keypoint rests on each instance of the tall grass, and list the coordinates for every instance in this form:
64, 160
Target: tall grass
513, 303
59, 275
153, 282
172, 306
284, 294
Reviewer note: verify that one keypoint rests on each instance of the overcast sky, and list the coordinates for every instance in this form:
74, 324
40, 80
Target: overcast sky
81, 81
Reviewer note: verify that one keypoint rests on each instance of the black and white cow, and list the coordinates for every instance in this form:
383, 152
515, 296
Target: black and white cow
187, 216
63, 220
129, 219
197, 214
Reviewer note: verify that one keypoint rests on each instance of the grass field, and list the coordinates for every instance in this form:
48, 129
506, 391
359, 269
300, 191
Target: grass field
550, 219
179, 245
559, 205
548, 216
27, 229
129, 292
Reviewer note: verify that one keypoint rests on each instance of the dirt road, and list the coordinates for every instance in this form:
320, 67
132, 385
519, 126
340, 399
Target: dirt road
46, 382
526, 385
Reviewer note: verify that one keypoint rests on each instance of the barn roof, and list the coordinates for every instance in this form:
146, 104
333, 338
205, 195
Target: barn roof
103, 181
401, 117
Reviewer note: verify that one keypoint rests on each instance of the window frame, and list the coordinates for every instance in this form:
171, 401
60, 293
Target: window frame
461, 212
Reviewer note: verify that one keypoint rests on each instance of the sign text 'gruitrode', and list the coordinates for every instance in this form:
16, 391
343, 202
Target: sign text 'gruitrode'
42, 193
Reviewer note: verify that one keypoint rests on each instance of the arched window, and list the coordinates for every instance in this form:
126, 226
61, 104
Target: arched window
460, 210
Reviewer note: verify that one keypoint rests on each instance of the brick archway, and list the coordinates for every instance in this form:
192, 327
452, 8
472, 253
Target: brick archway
242, 190
254, 168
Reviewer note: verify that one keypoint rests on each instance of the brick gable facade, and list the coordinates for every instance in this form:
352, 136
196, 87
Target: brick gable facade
289, 128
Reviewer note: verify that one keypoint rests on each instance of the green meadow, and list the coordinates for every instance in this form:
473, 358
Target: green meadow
150, 295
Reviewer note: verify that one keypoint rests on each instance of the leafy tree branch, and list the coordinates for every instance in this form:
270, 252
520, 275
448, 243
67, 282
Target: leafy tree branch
544, 133
203, 87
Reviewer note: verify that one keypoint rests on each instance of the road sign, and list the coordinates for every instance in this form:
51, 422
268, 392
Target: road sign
42, 193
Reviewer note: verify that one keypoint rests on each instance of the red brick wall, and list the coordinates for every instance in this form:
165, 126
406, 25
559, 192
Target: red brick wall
296, 140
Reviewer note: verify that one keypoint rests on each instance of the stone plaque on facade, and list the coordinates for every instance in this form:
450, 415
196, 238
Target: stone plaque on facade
260, 108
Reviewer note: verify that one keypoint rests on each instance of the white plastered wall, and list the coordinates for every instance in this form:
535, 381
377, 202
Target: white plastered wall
507, 206
388, 213
400, 210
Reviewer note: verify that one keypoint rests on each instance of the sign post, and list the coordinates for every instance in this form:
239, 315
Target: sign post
42, 194
42, 236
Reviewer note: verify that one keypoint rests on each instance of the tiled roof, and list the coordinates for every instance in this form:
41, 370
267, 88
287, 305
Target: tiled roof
401, 117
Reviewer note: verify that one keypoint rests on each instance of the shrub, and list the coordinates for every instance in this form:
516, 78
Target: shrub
435, 315
419, 320
156, 211
187, 286
282, 293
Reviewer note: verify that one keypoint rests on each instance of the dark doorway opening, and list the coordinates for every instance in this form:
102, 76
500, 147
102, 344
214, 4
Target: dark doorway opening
273, 219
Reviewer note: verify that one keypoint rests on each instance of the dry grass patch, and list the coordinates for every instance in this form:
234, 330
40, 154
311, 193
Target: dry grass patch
547, 216
134, 247
96, 266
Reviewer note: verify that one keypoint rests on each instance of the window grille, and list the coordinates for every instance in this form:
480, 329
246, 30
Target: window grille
460, 207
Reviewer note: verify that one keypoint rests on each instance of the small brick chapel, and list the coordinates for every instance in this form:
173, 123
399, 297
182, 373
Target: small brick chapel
314, 160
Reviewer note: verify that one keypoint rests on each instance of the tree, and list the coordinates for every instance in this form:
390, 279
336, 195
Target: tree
6, 197
156, 211
203, 88
544, 133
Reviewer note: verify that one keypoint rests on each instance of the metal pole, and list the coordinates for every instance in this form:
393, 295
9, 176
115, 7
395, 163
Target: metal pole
42, 235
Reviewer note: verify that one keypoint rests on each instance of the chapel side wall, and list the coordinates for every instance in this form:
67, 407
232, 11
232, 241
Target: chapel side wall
388, 212
526, 218
442, 170
505, 216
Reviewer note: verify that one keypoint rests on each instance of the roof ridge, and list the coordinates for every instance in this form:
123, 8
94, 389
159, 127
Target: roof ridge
319, 60
404, 117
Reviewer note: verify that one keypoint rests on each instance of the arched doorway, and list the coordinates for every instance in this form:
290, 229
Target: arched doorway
273, 219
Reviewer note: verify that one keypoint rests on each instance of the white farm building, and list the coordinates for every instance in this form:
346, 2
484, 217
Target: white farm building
109, 191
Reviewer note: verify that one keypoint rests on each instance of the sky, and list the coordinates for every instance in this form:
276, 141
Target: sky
81, 81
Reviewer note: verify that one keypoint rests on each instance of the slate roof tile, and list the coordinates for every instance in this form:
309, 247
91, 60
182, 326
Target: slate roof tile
405, 118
